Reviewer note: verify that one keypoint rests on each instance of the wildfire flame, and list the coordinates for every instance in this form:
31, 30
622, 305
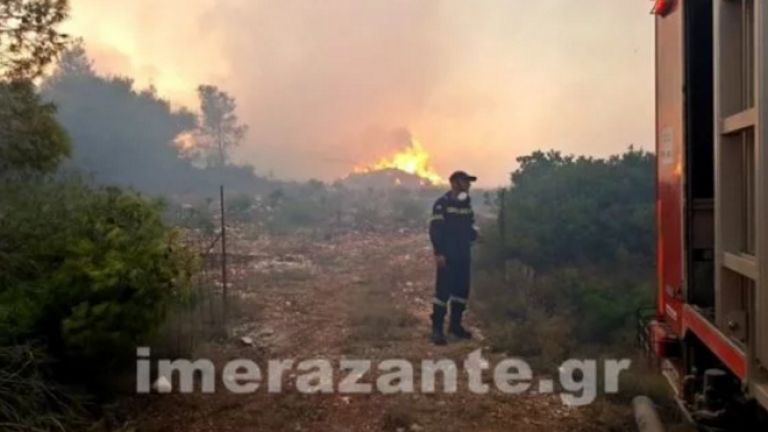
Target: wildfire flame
412, 160
184, 141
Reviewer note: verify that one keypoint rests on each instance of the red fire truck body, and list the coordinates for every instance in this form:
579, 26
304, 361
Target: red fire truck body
709, 329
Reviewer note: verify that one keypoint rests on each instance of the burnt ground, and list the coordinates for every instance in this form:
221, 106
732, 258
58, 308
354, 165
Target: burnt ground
361, 296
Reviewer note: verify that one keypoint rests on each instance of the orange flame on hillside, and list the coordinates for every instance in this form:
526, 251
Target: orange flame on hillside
412, 160
184, 141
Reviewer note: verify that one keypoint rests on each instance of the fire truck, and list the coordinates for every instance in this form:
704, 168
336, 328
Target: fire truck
708, 332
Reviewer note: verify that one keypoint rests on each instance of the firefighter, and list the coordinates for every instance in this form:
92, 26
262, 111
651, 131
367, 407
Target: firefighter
452, 231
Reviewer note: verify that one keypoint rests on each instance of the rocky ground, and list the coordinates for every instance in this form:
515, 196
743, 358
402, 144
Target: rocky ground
355, 297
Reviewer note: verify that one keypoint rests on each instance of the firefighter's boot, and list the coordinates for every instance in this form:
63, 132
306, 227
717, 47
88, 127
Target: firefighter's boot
438, 318
455, 328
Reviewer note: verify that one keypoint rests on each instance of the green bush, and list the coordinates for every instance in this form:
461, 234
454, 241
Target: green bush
89, 271
292, 214
585, 229
567, 211
239, 208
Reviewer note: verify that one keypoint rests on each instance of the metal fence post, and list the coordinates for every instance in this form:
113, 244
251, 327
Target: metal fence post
225, 297
502, 217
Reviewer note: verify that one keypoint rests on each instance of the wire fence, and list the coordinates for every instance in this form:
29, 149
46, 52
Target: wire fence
206, 315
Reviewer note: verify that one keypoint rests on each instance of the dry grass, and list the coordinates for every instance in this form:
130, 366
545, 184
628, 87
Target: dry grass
516, 325
375, 316
375, 320
30, 402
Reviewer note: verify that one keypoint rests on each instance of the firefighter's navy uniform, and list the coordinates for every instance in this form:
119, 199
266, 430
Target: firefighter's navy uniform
452, 232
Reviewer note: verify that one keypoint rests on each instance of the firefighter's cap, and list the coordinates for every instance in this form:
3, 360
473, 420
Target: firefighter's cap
461, 175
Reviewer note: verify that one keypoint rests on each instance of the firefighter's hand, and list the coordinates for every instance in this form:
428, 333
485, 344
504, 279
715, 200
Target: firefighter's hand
440, 260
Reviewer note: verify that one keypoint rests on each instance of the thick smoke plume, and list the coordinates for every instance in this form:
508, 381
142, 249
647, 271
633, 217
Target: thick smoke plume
325, 85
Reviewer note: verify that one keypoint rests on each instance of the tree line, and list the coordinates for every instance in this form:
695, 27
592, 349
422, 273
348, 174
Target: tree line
129, 137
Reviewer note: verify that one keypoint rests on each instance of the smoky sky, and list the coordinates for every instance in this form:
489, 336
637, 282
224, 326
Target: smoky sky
326, 85
335, 79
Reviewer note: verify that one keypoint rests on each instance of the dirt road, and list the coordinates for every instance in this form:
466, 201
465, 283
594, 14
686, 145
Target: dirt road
357, 297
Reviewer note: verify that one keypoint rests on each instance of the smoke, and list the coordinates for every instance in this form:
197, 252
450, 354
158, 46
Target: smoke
331, 79
327, 85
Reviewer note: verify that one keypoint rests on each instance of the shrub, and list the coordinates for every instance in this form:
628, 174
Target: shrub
582, 229
88, 271
239, 208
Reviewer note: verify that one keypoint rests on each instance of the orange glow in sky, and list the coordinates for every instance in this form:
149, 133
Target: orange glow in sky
481, 82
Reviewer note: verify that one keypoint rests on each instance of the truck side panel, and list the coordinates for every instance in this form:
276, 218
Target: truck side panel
670, 136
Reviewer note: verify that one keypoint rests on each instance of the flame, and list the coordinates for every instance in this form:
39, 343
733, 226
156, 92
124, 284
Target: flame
412, 160
185, 141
